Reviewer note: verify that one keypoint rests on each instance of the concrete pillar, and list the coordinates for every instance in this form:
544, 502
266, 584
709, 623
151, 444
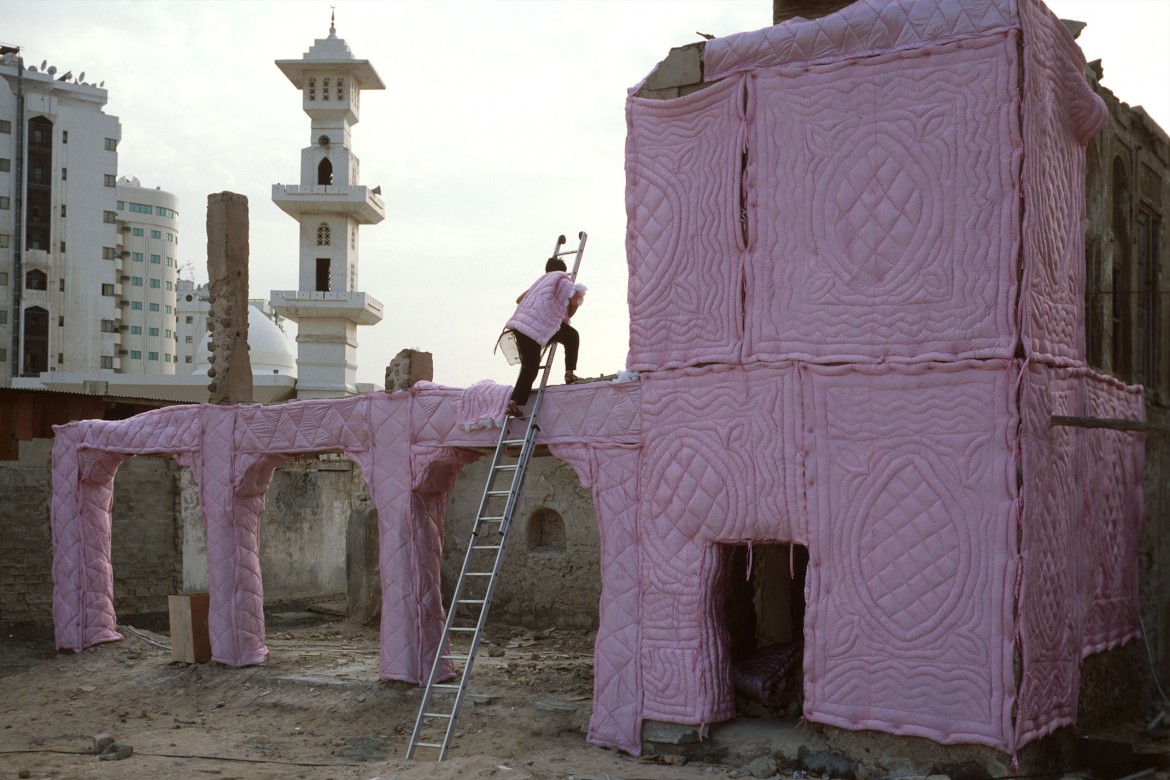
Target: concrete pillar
227, 272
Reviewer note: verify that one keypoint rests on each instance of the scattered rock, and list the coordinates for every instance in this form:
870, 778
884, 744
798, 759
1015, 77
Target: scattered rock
495, 651
117, 751
24, 773
101, 742
824, 762
764, 766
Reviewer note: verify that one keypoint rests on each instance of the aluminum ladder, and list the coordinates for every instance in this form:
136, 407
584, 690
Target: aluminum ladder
435, 725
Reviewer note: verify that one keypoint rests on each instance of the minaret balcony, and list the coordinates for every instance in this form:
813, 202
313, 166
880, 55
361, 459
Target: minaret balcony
358, 203
357, 307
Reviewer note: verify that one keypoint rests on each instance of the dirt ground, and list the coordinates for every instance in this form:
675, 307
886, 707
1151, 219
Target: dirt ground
315, 709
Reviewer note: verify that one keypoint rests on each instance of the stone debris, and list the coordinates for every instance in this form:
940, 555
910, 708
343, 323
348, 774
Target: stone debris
101, 742
764, 766
117, 751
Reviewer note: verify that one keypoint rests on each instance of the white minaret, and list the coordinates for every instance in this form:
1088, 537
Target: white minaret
330, 205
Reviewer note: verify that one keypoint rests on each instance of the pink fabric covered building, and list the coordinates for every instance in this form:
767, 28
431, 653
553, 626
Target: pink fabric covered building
856, 286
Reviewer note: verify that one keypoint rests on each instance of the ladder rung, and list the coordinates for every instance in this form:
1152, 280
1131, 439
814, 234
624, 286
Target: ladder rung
470, 601
478, 574
446, 685
509, 467
491, 518
437, 715
455, 657
458, 628
428, 744
486, 547
512, 442
499, 492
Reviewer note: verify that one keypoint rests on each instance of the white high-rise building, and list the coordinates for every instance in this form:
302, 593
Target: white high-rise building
59, 269
330, 206
148, 249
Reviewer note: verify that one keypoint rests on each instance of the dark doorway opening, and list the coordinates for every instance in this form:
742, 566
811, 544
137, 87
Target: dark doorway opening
764, 612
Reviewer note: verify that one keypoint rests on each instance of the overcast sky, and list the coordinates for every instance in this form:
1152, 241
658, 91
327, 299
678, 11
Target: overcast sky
501, 126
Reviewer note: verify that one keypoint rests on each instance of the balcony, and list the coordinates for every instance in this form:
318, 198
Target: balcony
307, 304
358, 203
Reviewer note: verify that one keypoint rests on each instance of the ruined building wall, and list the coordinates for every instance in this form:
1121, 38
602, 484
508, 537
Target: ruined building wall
1127, 317
145, 537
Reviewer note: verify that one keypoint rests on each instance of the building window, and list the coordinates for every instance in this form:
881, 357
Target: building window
3, 278
166, 357
65, 176
5, 165
155, 259
107, 361
1149, 230
62, 246
325, 172
111, 144
136, 231
4, 202
110, 180
189, 340
4, 240
154, 283
109, 217
162, 211
36, 280
61, 321
188, 359
323, 274
3, 316
136, 257
135, 330
152, 331
156, 234
170, 309
5, 126
107, 289
324, 89
153, 306
109, 326
323, 234
136, 281
136, 354
136, 305
340, 88
170, 237
152, 356
121, 205
312, 89
63, 210
60, 358
190, 320
170, 262
170, 286
107, 253
64, 136
353, 237
60, 285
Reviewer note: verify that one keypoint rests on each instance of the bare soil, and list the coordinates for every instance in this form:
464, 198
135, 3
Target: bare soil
315, 709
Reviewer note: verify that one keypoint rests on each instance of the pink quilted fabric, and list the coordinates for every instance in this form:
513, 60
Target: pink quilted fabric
545, 306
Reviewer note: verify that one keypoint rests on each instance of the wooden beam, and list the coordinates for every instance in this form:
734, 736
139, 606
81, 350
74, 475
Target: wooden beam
1109, 424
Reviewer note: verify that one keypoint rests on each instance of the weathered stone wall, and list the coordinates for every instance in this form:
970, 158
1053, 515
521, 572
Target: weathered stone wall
551, 575
145, 543
302, 531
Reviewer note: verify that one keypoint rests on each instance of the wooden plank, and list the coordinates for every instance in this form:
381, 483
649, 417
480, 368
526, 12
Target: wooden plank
1109, 423
190, 642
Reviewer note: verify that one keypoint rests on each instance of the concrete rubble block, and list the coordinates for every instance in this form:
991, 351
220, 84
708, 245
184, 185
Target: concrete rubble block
101, 742
408, 368
823, 762
764, 766
682, 66
669, 733
117, 751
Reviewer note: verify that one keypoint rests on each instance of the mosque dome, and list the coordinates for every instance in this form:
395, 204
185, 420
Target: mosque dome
268, 348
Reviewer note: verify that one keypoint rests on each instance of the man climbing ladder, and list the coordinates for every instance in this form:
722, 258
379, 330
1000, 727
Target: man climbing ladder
435, 724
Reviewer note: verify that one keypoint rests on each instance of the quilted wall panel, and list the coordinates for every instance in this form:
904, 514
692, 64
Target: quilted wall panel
865, 28
887, 207
1061, 113
1051, 603
612, 473
1115, 519
684, 238
912, 499
717, 467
